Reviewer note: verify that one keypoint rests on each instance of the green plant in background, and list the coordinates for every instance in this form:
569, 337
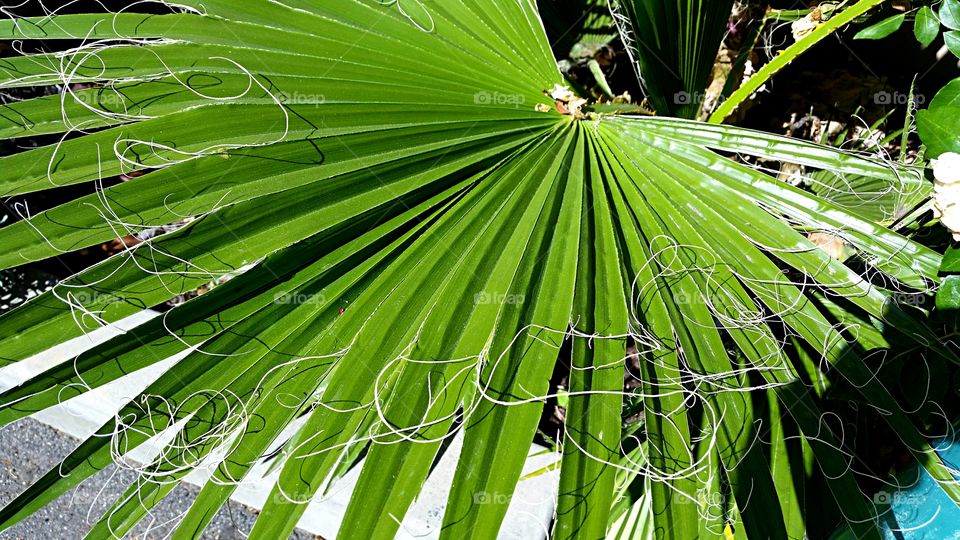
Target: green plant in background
927, 21
580, 31
821, 22
939, 123
419, 221
674, 45
938, 126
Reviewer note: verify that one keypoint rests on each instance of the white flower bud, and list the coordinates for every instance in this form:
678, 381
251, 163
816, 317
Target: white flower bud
946, 169
950, 218
946, 192
562, 93
802, 27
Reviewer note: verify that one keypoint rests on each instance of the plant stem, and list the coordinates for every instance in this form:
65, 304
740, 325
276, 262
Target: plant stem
789, 55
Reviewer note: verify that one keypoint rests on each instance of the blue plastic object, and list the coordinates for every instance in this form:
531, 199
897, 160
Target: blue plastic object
920, 510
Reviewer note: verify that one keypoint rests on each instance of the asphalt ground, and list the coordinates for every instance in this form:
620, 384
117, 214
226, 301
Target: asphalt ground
28, 449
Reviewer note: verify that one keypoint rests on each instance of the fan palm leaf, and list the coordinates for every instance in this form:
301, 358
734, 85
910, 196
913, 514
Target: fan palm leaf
412, 228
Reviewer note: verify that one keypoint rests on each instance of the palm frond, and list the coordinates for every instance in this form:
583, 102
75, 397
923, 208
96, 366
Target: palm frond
405, 231
674, 45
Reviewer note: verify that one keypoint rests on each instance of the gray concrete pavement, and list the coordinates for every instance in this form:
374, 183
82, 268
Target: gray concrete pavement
28, 449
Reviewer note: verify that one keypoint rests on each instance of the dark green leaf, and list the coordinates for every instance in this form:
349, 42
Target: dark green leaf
939, 124
950, 14
883, 28
948, 296
926, 27
951, 261
952, 39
